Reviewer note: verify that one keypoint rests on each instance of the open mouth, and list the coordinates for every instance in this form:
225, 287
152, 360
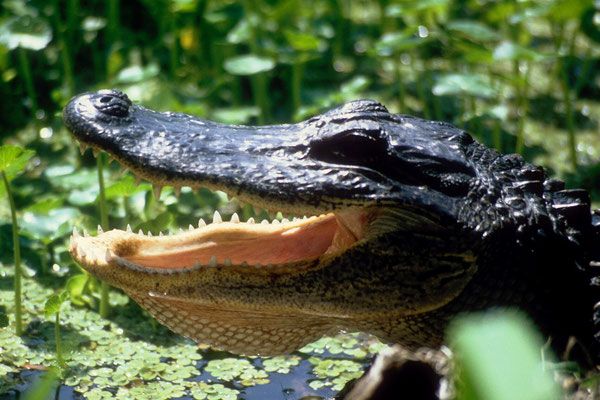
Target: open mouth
284, 246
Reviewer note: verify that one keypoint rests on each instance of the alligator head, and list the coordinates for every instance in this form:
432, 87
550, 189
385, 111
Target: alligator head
410, 222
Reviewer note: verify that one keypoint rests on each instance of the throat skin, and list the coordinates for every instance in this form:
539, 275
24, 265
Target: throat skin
398, 225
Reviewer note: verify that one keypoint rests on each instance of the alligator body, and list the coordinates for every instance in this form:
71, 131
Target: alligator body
411, 222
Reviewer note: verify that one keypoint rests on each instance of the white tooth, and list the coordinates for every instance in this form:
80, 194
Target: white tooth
156, 189
244, 264
250, 221
191, 227
141, 232
129, 228
100, 230
180, 230
275, 222
264, 222
160, 233
85, 233
75, 232
149, 233
213, 261
96, 152
217, 218
138, 180
82, 148
177, 190
296, 219
235, 218
197, 264
122, 170
284, 220
81, 253
227, 262
107, 256
201, 223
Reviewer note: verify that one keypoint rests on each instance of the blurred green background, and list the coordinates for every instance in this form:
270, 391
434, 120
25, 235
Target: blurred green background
522, 76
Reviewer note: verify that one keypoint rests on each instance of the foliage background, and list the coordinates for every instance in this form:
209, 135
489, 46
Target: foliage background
521, 75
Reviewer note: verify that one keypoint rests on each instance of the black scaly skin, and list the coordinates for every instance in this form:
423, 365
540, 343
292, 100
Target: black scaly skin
440, 193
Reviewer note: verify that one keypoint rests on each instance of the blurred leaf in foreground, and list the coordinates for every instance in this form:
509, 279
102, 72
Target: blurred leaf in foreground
498, 358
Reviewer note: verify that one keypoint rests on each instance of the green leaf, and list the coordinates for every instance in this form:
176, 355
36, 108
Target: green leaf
236, 115
158, 224
397, 42
45, 205
125, 187
13, 159
473, 29
301, 41
75, 288
249, 64
460, 84
241, 33
511, 51
45, 225
25, 31
137, 73
53, 304
498, 357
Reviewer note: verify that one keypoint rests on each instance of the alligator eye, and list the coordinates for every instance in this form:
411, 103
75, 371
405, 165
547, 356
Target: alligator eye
112, 103
351, 147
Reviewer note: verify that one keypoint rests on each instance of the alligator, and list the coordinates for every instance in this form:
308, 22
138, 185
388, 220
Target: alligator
397, 225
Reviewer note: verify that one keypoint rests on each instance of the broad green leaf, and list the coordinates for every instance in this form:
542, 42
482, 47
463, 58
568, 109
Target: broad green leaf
460, 84
301, 41
249, 64
241, 33
25, 31
93, 24
511, 51
125, 187
45, 226
46, 205
137, 73
75, 288
13, 159
498, 357
473, 29
53, 304
411, 6
236, 115
158, 224
395, 42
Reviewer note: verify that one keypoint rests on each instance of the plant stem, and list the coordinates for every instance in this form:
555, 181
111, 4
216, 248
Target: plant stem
104, 224
400, 84
569, 115
17, 256
297, 69
64, 45
59, 357
26, 70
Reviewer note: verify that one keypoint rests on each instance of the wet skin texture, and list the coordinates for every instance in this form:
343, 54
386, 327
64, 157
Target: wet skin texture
418, 222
